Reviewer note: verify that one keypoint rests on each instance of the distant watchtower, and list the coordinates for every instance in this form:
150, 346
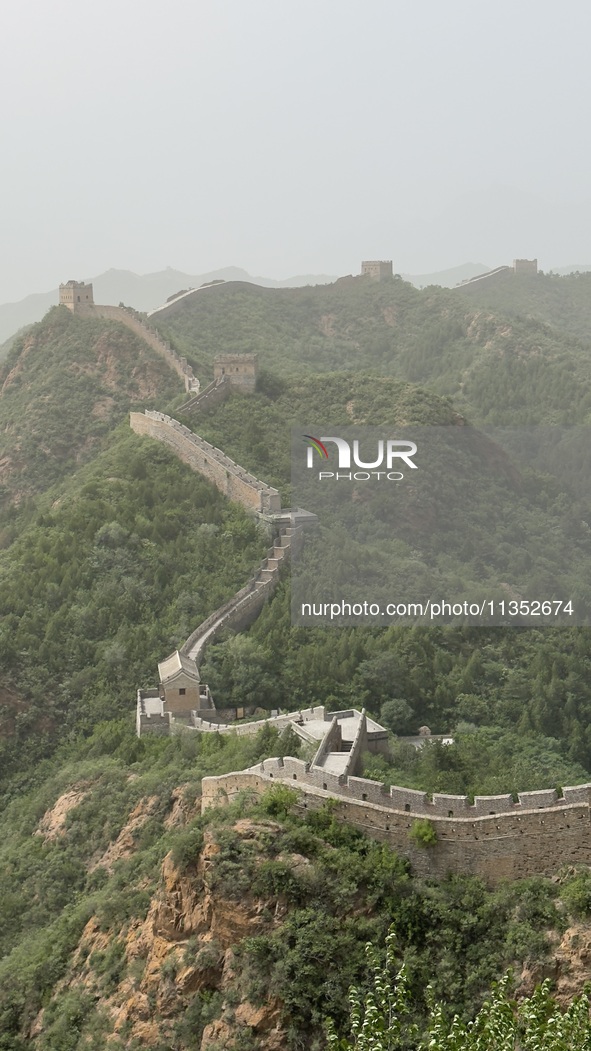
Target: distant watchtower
377, 269
76, 296
239, 369
525, 266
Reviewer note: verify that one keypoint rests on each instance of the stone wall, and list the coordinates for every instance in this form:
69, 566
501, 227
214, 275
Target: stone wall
159, 725
244, 607
489, 276
238, 615
280, 722
359, 746
512, 846
231, 479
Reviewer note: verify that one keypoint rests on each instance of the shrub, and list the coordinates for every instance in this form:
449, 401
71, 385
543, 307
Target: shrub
187, 847
279, 800
423, 832
576, 894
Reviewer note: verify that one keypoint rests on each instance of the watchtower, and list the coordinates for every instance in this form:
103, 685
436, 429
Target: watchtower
179, 684
525, 266
239, 369
377, 269
76, 296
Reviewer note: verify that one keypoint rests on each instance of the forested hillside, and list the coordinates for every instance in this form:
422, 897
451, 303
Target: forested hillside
127, 918
64, 385
497, 367
562, 302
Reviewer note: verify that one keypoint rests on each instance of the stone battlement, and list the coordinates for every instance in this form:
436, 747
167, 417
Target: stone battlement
419, 804
231, 479
524, 839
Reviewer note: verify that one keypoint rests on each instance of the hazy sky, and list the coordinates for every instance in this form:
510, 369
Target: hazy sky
291, 137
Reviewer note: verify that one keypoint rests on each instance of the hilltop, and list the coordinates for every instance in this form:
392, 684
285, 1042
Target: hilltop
495, 368
141, 291
64, 386
563, 302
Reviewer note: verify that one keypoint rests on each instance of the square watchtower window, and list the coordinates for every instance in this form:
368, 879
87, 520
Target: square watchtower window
182, 691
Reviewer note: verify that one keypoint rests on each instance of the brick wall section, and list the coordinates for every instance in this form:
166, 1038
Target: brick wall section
490, 276
244, 607
513, 846
238, 617
420, 805
153, 339
160, 725
231, 479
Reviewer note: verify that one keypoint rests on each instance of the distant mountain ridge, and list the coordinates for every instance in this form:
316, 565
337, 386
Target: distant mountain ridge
142, 291
148, 292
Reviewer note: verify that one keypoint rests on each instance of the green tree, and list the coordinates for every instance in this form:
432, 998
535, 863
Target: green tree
378, 1019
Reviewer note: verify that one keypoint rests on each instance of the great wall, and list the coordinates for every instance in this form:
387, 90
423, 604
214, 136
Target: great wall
494, 837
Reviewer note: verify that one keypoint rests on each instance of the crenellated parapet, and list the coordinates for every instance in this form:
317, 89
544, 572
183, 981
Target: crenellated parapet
494, 838
229, 477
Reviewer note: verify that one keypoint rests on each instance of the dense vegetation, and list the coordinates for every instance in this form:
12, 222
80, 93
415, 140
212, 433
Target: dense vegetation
133, 556
113, 551
337, 891
497, 367
65, 383
379, 1020
562, 302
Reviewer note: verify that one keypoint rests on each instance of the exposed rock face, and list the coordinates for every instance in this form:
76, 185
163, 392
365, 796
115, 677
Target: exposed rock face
52, 824
124, 845
569, 966
183, 948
